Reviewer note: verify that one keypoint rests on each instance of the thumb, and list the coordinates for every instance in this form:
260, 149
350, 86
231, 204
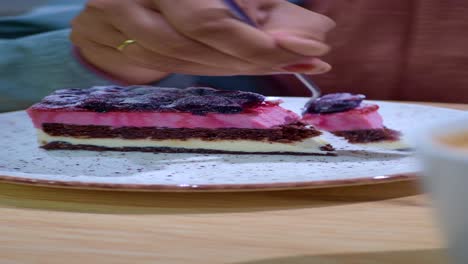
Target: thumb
301, 45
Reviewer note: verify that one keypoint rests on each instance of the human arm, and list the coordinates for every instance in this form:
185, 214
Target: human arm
200, 38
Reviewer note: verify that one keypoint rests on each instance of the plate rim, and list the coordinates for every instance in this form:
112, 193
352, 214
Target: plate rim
410, 176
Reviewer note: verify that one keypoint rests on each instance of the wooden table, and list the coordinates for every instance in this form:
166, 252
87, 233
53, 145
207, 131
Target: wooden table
387, 223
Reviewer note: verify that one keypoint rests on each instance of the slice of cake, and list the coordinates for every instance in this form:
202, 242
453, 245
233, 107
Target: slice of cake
345, 115
155, 119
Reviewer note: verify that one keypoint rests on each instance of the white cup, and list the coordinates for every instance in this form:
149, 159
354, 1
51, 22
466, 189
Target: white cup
445, 170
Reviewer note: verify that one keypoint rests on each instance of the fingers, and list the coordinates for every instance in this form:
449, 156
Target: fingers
303, 31
91, 24
211, 23
115, 64
302, 45
316, 66
202, 38
149, 59
288, 17
98, 45
153, 32
134, 62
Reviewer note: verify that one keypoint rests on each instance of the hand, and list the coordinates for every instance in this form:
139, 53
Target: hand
200, 37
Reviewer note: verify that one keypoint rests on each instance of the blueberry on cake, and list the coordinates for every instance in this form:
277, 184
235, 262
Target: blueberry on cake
346, 115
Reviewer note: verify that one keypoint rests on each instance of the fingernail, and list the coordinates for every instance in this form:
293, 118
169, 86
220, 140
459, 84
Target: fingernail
300, 67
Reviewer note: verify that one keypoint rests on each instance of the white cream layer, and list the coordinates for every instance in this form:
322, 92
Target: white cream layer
311, 145
387, 144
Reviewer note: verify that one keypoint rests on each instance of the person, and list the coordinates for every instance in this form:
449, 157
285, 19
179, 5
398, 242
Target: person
385, 50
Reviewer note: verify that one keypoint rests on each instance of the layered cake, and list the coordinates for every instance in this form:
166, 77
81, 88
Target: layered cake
346, 115
155, 119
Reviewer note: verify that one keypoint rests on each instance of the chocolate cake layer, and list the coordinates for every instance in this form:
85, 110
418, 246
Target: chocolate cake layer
369, 135
66, 146
283, 134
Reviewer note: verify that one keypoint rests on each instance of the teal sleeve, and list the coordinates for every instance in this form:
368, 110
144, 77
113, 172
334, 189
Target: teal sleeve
32, 67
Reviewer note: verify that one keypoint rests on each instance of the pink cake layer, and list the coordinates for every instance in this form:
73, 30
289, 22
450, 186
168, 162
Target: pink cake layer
262, 117
366, 116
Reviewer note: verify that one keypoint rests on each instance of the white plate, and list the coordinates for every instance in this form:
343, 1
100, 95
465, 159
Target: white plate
21, 161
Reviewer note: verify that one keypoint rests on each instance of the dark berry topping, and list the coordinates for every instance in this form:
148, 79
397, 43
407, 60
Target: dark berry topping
201, 105
243, 98
333, 103
196, 100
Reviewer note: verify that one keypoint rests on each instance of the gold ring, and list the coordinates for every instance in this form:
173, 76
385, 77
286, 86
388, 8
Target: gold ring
124, 44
